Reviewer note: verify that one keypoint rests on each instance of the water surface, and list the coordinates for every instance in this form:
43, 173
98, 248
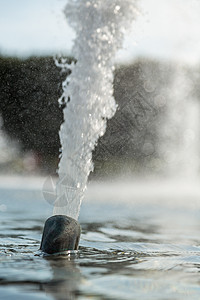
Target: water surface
136, 243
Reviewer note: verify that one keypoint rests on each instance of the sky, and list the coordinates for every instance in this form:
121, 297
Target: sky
165, 29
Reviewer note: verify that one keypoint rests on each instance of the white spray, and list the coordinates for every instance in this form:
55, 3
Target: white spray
100, 26
179, 134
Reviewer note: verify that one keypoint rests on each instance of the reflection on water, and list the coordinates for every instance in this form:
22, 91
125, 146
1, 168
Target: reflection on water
65, 278
141, 247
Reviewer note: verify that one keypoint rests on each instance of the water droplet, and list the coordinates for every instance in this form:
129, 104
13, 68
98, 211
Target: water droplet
148, 86
117, 8
148, 148
160, 100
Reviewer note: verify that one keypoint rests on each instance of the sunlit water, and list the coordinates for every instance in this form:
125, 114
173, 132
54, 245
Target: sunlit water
139, 241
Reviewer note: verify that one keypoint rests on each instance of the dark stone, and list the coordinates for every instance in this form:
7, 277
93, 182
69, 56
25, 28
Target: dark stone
60, 233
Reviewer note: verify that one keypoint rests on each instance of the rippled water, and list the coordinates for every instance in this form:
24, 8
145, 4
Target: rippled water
136, 243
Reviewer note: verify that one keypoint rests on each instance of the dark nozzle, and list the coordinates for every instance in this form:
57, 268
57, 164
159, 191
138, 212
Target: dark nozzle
61, 233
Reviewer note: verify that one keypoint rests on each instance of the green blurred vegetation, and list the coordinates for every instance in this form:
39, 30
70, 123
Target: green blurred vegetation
29, 93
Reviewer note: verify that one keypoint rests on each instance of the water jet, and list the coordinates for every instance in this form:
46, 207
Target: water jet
100, 27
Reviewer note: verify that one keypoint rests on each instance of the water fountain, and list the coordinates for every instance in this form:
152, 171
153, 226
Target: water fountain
134, 242
100, 27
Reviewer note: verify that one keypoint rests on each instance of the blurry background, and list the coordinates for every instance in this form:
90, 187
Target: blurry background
156, 87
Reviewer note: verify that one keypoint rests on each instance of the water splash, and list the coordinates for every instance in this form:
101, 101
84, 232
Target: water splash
100, 26
179, 134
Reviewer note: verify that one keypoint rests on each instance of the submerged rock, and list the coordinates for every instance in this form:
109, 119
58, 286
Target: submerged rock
60, 233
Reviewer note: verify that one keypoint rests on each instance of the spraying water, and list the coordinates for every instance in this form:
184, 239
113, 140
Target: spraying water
100, 26
179, 133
